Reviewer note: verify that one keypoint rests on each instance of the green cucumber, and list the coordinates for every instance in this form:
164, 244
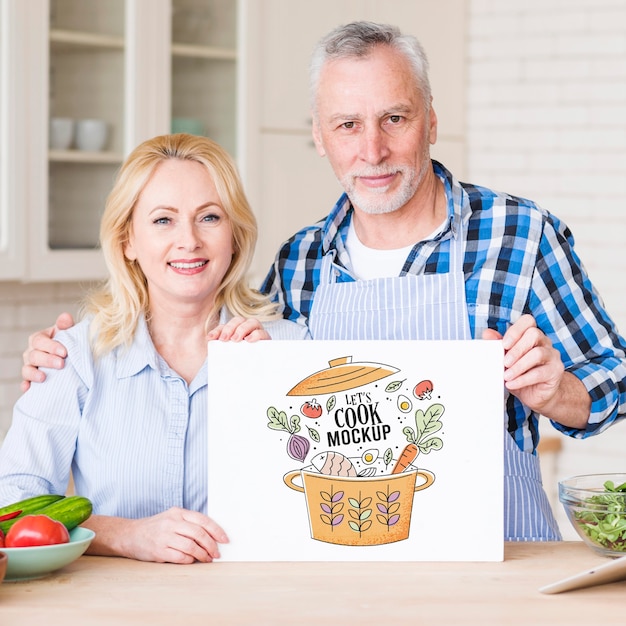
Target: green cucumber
27, 507
71, 511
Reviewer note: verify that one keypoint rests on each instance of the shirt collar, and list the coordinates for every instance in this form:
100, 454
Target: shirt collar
130, 360
142, 353
337, 218
458, 206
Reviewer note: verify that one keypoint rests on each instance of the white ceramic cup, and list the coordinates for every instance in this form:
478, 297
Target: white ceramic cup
92, 135
61, 133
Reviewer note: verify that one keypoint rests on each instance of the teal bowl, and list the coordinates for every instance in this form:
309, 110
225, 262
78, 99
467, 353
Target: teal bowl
39, 561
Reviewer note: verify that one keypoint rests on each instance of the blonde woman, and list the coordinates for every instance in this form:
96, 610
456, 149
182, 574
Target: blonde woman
127, 414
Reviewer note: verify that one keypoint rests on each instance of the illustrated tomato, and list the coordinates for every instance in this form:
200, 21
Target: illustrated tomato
36, 530
311, 409
423, 390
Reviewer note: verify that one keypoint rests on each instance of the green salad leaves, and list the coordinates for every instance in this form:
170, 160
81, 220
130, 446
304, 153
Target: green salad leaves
605, 521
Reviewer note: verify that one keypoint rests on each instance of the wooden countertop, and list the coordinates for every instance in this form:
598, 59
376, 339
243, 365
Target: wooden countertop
112, 592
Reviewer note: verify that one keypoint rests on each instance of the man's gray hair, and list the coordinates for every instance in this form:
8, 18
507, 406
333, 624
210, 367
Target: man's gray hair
358, 39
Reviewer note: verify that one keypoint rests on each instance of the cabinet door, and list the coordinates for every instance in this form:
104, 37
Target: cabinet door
293, 201
82, 78
12, 146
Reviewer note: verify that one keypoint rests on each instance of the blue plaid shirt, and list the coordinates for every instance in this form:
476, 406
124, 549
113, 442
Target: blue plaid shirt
519, 259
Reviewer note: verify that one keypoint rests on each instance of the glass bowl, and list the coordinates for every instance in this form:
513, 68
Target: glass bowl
596, 507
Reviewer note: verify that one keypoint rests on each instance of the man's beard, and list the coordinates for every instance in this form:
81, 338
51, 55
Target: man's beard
378, 200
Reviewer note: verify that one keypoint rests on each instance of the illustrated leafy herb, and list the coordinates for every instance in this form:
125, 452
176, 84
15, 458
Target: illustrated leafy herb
330, 403
426, 425
315, 436
332, 506
297, 446
278, 421
388, 456
360, 514
388, 507
394, 386
605, 523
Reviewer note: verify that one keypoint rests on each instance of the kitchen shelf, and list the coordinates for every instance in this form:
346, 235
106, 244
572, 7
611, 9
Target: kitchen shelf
86, 39
82, 156
203, 52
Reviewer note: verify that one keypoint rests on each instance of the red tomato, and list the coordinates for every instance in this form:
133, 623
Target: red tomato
1, 539
36, 530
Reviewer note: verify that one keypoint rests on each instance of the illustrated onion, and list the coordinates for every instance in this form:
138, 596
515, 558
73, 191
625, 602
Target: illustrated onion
298, 447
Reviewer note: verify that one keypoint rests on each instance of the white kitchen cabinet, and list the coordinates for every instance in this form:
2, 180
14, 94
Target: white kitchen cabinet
143, 66
288, 184
12, 148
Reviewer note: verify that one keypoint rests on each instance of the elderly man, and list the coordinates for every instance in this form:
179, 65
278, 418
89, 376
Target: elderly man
409, 252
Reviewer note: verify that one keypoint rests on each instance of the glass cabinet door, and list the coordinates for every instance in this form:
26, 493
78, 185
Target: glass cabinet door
86, 116
204, 69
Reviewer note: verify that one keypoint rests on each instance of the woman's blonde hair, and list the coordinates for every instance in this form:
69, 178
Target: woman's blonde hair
118, 304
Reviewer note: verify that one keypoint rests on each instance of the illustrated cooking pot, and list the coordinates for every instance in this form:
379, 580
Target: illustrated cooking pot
358, 511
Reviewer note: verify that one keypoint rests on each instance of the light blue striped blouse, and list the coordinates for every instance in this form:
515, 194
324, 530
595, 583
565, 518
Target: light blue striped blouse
132, 431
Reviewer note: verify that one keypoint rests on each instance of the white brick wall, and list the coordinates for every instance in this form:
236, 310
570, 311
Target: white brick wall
24, 309
547, 120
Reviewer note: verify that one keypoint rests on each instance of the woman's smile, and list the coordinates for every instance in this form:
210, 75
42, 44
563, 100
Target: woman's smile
189, 267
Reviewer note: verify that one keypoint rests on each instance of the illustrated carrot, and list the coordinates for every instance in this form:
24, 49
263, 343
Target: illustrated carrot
406, 458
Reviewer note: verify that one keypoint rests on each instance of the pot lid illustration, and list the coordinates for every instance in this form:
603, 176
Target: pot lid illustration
342, 374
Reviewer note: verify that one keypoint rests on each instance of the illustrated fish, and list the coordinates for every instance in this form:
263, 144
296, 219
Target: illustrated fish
333, 464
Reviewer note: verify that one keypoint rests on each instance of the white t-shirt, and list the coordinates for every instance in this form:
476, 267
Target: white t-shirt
368, 263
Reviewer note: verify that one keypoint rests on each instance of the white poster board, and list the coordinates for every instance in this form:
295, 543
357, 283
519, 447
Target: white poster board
357, 450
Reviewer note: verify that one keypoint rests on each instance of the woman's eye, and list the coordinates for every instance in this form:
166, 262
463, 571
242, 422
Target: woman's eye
211, 219
162, 220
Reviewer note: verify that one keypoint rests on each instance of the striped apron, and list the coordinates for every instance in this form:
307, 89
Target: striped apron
421, 307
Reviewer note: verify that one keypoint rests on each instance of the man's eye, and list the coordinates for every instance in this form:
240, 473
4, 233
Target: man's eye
348, 125
395, 119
